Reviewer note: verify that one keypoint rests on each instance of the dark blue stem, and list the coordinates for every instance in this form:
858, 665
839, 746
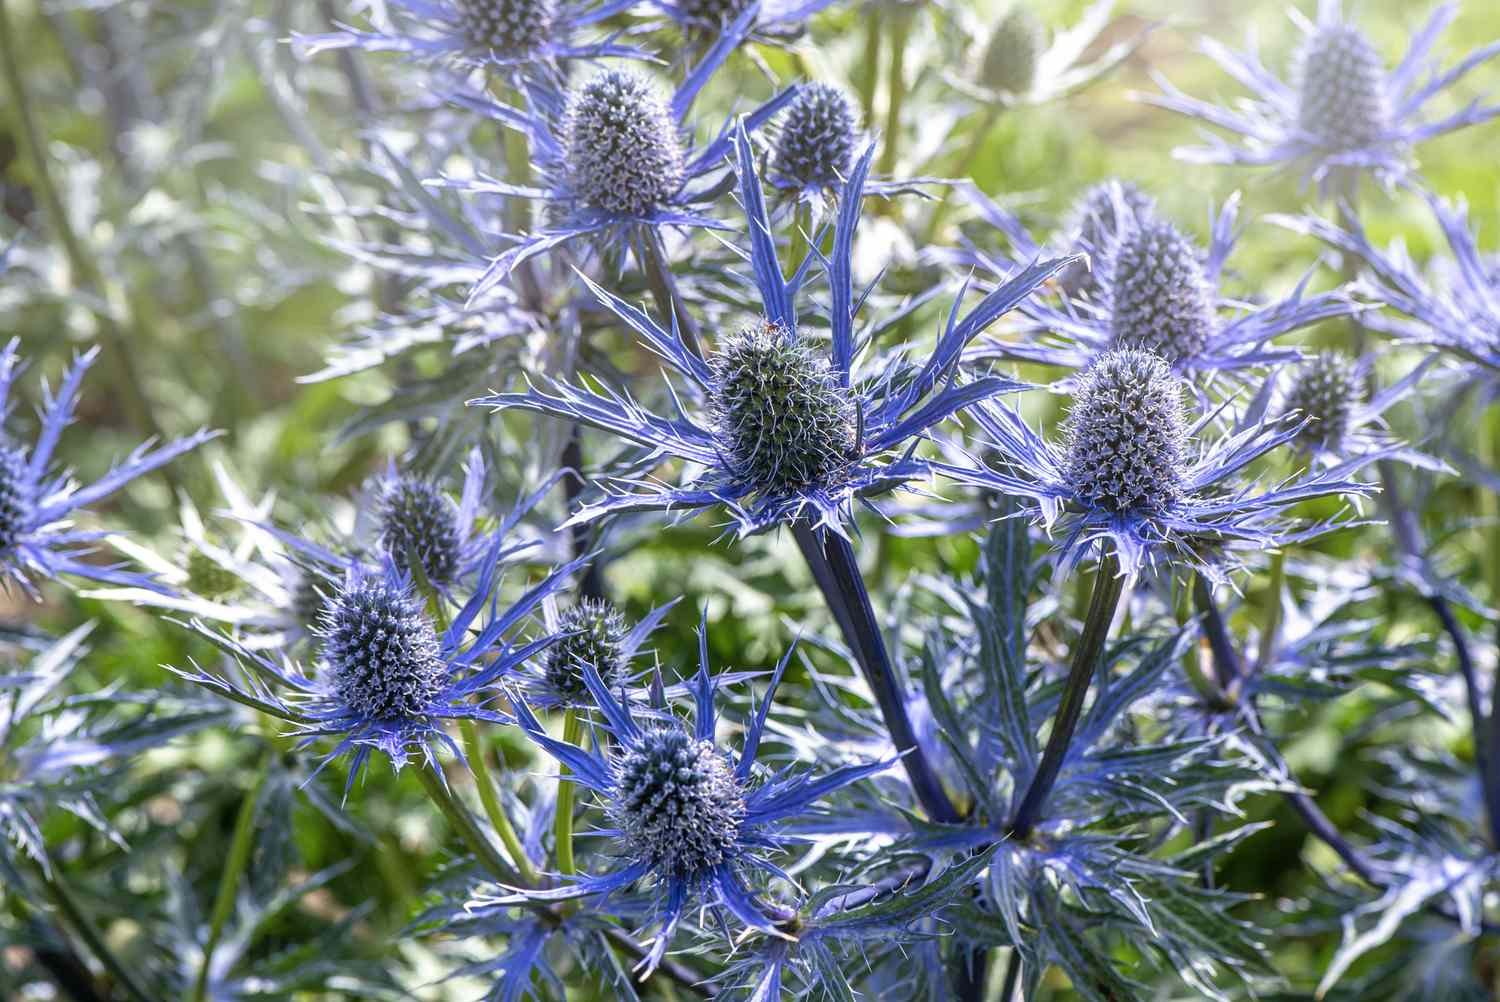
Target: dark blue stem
831, 560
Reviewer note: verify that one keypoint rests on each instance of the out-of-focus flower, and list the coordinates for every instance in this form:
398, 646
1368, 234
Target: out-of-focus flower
686, 816
1151, 287
1134, 477
1342, 421
38, 502
781, 432
1342, 111
1457, 310
771, 21
528, 42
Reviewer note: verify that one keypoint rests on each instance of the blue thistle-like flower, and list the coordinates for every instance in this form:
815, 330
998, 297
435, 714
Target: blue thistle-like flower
38, 504
1013, 52
1136, 477
815, 138
418, 520
622, 149
593, 633
1455, 309
1153, 288
528, 42
1326, 389
1343, 111
380, 649
782, 432
766, 21
688, 818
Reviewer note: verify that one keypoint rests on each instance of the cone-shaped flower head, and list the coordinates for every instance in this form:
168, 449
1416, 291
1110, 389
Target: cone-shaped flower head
417, 519
1092, 223
382, 652
678, 802
710, 13
1015, 48
15, 496
509, 28
1161, 299
1341, 88
780, 415
593, 633
1126, 434
1326, 390
815, 145
623, 151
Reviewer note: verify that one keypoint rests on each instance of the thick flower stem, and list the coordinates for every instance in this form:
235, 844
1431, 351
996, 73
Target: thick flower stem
961, 170
1108, 587
664, 289
240, 845
73, 916
572, 734
489, 796
836, 571
85, 268
890, 150
463, 823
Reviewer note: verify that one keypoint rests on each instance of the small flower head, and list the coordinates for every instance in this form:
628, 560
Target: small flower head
1014, 51
1160, 299
781, 417
1326, 390
706, 14
622, 148
15, 496
815, 144
209, 578
1093, 222
308, 595
1341, 88
381, 650
512, 29
417, 519
678, 802
593, 633
1126, 434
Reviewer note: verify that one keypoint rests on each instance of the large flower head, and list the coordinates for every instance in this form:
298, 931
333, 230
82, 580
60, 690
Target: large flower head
784, 428
1342, 110
528, 42
386, 675
617, 163
1151, 286
1136, 475
694, 822
38, 502
1455, 309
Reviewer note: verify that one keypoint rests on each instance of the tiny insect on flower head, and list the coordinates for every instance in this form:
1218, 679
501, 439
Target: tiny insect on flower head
1159, 297
1014, 50
593, 633
678, 802
416, 518
623, 151
780, 414
1326, 389
381, 649
513, 28
1126, 434
1341, 89
816, 136
1092, 224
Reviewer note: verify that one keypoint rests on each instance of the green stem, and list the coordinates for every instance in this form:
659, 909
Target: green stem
74, 916
1271, 625
664, 289
82, 262
572, 734
900, 25
801, 227
240, 845
1108, 587
463, 824
489, 796
962, 169
869, 75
